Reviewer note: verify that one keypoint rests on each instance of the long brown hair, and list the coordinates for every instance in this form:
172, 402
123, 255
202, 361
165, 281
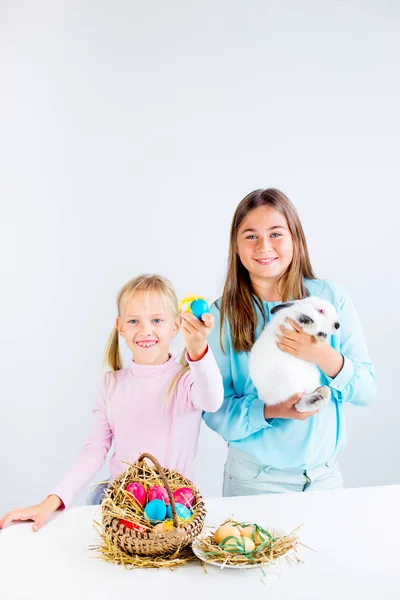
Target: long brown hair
143, 283
239, 299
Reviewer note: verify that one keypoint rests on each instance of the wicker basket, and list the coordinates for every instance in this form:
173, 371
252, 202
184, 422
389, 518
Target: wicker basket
149, 543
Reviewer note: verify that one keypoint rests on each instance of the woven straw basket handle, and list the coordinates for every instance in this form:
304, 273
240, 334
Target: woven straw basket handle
161, 473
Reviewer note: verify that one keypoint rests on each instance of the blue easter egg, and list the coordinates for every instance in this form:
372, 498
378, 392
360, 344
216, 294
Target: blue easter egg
155, 511
199, 307
181, 510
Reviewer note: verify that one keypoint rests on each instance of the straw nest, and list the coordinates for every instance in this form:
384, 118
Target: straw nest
139, 545
231, 550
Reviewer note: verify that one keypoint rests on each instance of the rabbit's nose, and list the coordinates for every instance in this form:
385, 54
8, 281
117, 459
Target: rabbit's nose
336, 324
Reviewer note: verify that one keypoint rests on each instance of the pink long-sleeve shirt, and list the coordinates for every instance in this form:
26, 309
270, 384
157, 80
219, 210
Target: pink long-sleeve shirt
131, 414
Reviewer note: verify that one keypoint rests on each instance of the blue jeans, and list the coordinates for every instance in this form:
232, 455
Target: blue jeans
245, 476
97, 494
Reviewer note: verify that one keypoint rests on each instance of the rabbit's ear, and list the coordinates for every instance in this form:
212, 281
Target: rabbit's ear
304, 319
280, 306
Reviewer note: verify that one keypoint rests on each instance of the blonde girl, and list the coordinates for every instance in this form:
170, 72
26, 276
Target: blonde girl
154, 405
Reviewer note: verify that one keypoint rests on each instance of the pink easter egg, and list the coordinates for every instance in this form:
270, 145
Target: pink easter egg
184, 496
137, 492
158, 492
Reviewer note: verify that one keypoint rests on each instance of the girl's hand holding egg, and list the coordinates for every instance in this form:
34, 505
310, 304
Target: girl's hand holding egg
195, 333
197, 305
199, 308
197, 323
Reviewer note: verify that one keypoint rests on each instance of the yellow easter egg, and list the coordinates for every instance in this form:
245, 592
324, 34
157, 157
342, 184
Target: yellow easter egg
239, 545
248, 544
226, 531
247, 531
252, 533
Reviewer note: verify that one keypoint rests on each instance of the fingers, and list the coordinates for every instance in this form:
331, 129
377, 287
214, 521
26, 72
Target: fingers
187, 317
287, 346
300, 416
295, 414
186, 326
193, 324
3, 520
7, 519
295, 398
39, 514
208, 320
18, 514
295, 325
288, 410
188, 329
288, 333
306, 415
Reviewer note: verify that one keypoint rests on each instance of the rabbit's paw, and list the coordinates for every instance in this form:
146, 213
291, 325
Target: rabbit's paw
314, 400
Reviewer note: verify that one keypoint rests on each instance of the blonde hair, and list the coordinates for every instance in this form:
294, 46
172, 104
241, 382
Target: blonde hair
143, 283
239, 299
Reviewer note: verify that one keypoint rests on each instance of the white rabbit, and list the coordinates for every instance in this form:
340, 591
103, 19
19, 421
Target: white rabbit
278, 375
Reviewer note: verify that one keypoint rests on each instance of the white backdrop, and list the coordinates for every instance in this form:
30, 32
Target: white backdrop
129, 133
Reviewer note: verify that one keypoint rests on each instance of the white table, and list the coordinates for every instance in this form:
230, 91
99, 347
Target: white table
355, 534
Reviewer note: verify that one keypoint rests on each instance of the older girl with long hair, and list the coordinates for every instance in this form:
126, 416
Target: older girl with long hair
276, 448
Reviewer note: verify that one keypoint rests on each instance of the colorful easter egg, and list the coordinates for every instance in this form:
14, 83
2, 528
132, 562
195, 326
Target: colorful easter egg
199, 307
184, 496
132, 525
137, 492
155, 511
158, 492
181, 510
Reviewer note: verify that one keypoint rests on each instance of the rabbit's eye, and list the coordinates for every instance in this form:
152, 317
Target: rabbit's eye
321, 311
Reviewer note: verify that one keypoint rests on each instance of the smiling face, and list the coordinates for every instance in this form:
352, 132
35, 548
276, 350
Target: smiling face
148, 324
264, 245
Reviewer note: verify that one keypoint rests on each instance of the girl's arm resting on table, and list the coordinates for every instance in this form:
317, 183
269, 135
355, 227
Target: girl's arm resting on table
39, 513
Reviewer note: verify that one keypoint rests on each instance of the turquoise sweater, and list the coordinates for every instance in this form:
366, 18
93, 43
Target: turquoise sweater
287, 443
